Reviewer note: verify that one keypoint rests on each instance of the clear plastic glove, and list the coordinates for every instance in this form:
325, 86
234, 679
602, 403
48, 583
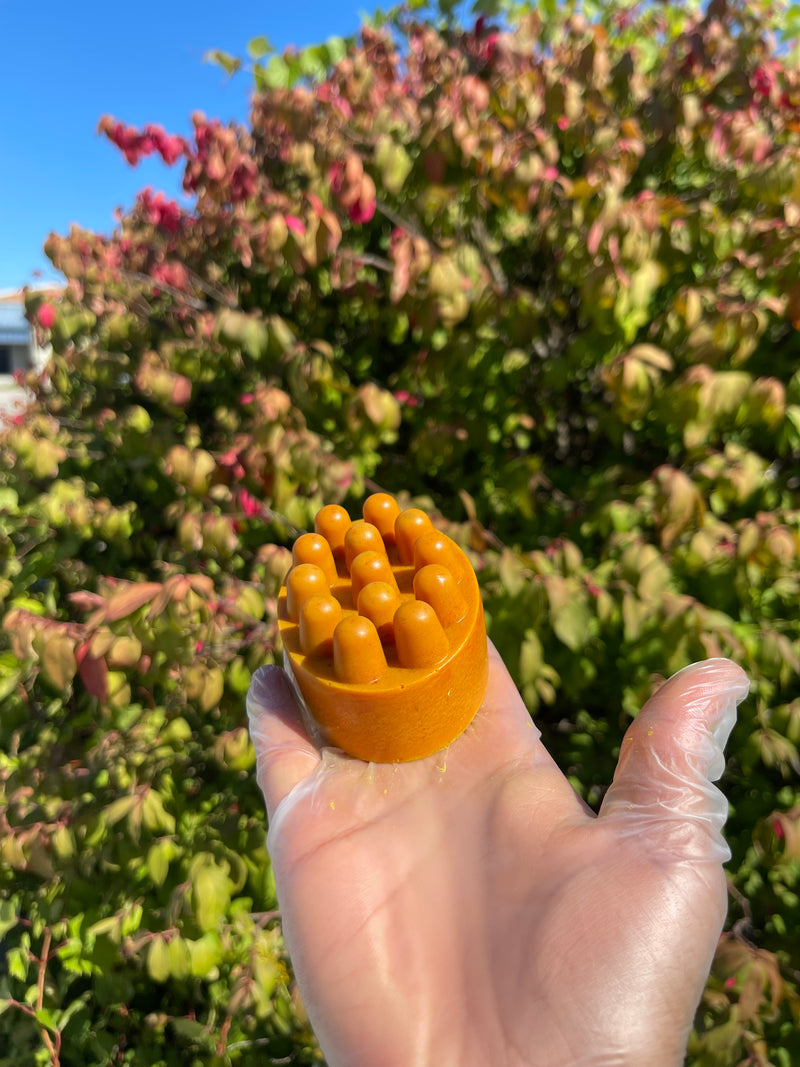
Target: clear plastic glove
469, 909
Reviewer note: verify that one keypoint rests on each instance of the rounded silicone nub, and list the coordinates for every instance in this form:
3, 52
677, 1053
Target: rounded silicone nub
419, 636
319, 617
378, 602
382, 510
436, 547
313, 548
333, 522
435, 585
303, 582
383, 630
362, 537
410, 525
370, 567
357, 651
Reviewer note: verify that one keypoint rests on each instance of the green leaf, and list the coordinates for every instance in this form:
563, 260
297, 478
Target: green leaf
159, 856
155, 816
294, 69
572, 624
17, 963
10, 675
635, 614
111, 926
206, 954
131, 920
313, 63
9, 499
259, 47
276, 73
487, 8
158, 960
46, 1017
37, 608
260, 78
119, 808
531, 657
74, 1006
337, 49
192, 1031
180, 960
58, 659
211, 896
230, 64
514, 574
8, 916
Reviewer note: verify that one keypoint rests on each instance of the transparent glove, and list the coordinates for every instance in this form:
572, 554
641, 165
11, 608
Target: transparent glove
468, 910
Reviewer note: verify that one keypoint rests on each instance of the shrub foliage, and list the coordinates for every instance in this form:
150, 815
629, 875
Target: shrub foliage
542, 275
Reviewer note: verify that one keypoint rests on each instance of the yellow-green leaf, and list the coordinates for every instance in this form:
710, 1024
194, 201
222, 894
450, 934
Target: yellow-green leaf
155, 816
58, 659
572, 624
158, 860
158, 960
205, 953
259, 47
119, 808
210, 897
180, 961
230, 64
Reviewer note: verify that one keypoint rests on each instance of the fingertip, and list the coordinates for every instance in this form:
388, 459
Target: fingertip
721, 673
672, 752
708, 693
272, 708
285, 754
269, 688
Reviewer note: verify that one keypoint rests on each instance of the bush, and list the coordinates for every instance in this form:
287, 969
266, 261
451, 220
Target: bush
542, 277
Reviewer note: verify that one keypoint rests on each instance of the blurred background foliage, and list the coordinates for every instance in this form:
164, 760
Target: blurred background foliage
537, 269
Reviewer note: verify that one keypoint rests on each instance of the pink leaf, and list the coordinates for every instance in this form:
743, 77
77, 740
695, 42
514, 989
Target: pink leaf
130, 599
295, 224
85, 600
46, 316
594, 238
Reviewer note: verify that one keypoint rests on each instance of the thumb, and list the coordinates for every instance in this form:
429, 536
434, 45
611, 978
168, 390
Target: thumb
669, 757
285, 754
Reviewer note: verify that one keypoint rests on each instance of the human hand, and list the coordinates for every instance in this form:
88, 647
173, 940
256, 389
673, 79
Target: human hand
469, 909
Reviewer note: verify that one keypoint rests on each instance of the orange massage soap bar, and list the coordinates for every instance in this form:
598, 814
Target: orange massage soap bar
383, 630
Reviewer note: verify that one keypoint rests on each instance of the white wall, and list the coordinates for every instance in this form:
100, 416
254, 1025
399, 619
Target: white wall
23, 357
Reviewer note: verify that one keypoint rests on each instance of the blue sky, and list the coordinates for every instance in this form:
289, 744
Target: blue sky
63, 66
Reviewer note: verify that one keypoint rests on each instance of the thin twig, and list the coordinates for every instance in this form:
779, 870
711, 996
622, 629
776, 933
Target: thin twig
261, 918
42, 965
251, 1043
367, 259
403, 224
481, 236
210, 290
153, 283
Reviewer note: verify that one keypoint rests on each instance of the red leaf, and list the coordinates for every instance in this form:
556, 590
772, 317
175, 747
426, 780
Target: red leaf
93, 671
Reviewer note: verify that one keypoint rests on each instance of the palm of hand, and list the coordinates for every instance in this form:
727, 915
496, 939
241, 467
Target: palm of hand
468, 909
